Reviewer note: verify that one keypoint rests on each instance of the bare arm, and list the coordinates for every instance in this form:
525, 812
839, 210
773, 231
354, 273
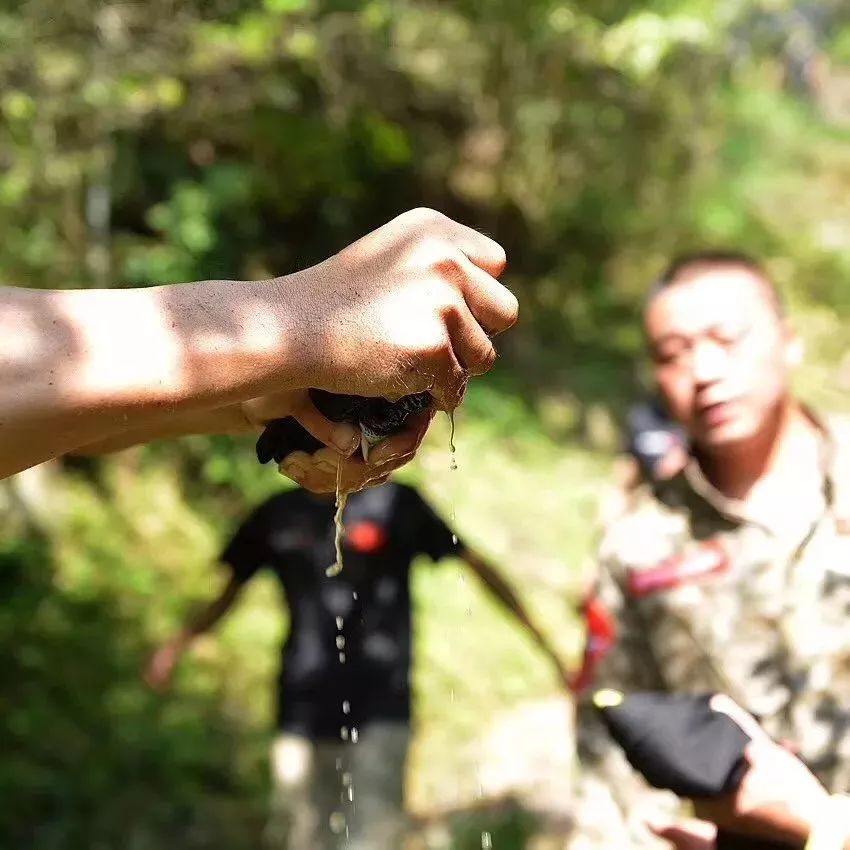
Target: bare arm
162, 662
497, 585
226, 420
84, 366
407, 308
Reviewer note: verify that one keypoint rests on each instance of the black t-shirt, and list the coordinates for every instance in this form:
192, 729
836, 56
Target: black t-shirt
293, 534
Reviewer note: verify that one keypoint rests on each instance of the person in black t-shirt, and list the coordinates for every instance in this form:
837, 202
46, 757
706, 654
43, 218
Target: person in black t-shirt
344, 678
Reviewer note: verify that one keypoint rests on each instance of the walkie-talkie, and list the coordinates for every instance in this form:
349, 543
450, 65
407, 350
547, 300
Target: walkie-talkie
376, 418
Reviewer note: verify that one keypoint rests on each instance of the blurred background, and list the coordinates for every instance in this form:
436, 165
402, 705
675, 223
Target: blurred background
156, 141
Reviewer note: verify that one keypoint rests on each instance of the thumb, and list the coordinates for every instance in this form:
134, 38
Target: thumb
750, 726
690, 834
340, 436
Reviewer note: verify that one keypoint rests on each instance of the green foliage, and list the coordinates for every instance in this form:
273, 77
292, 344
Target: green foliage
89, 756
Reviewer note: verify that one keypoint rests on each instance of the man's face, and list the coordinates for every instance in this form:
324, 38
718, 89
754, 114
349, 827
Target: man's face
721, 354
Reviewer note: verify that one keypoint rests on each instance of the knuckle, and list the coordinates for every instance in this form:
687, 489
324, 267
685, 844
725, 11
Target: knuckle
450, 310
427, 251
425, 216
448, 266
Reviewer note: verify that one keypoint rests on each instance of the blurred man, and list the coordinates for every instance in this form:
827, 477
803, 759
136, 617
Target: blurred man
344, 689
732, 575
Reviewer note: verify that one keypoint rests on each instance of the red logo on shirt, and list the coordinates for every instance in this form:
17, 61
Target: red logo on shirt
366, 537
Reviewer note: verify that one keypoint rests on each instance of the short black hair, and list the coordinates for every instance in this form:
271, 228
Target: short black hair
685, 266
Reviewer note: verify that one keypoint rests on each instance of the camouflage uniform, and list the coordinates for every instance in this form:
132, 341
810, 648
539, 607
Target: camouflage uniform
707, 598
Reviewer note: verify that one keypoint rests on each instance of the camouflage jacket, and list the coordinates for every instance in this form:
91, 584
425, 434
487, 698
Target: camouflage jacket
703, 597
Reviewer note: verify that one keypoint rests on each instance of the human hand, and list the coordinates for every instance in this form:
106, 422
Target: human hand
778, 799
409, 307
160, 666
338, 464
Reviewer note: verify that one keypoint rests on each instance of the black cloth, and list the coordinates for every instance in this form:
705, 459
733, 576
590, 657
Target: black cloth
678, 742
293, 535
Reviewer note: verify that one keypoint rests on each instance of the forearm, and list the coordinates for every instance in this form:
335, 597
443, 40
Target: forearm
195, 627
81, 366
225, 420
506, 595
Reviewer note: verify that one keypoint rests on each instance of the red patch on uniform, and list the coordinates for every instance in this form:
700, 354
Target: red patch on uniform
600, 635
707, 561
366, 537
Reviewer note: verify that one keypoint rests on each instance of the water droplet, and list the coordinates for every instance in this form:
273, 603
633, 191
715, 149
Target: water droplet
350, 794
347, 779
346, 707
486, 841
343, 733
337, 822
453, 468
342, 658
340, 642
339, 623
355, 736
354, 596
341, 498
